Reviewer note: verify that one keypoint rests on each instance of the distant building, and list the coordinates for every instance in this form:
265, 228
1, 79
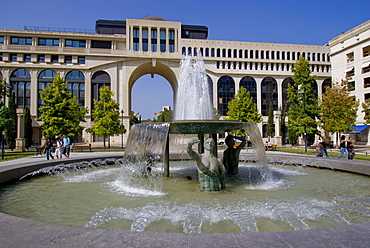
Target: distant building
121, 51
350, 59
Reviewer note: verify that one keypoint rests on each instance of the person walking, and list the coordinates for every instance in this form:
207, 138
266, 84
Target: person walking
66, 145
351, 152
59, 148
342, 146
48, 147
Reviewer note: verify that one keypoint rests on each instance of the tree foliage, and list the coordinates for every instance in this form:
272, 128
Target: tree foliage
106, 115
270, 128
304, 108
61, 113
366, 111
242, 108
28, 131
339, 109
10, 128
165, 116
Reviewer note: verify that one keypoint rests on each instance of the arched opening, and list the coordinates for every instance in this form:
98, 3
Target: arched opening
326, 83
250, 84
225, 93
150, 96
284, 88
45, 79
151, 87
20, 81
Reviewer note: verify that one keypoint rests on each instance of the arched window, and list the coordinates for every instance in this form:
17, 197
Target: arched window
195, 51
272, 54
313, 56
224, 53
235, 53
250, 84
201, 51
44, 80
251, 54
267, 54
20, 81
76, 85
325, 84
256, 54
225, 93
218, 52
262, 54
241, 53
207, 52
283, 55
323, 57
245, 54
293, 55
212, 52
99, 80
229, 53
288, 55
268, 94
189, 50
278, 55
184, 51
284, 91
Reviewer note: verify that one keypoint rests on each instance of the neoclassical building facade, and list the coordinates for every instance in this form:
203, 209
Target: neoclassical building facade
118, 53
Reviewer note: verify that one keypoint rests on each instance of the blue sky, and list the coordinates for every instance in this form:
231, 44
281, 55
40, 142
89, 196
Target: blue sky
286, 21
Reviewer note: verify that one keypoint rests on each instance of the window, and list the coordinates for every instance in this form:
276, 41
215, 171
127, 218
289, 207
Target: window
136, 36
99, 80
366, 82
1, 56
365, 50
76, 85
48, 42
13, 57
250, 84
1, 40
171, 41
154, 40
101, 44
81, 59
41, 58
212, 52
45, 79
207, 52
225, 93
350, 57
24, 41
54, 58
20, 81
75, 43
27, 57
268, 94
162, 40
351, 86
68, 59
144, 39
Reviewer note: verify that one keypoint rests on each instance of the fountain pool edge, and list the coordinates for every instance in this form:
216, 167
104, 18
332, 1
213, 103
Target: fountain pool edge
19, 232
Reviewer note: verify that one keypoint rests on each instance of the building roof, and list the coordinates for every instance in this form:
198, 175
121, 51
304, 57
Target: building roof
153, 18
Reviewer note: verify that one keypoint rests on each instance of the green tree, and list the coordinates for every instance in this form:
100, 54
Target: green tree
165, 116
270, 127
28, 131
61, 113
339, 109
283, 127
10, 128
366, 111
242, 108
304, 108
106, 116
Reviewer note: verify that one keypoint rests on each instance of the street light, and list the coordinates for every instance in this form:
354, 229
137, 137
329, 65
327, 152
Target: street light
122, 129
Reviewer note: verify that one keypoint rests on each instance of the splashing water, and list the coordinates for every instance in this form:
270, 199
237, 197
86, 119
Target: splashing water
193, 100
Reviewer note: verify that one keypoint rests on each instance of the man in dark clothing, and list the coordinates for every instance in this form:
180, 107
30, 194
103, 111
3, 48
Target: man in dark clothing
48, 147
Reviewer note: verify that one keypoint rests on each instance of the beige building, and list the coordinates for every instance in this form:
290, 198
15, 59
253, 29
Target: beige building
350, 59
120, 52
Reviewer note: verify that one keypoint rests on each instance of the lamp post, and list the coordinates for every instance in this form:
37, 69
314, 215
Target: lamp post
122, 128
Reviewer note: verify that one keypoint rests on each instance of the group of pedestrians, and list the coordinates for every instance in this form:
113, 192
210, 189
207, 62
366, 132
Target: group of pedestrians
61, 146
346, 147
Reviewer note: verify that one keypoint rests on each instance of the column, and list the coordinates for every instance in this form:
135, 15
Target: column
19, 142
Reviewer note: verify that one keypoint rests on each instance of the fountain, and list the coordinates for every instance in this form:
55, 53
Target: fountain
133, 195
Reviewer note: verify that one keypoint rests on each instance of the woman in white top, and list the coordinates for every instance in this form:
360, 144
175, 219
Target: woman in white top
59, 148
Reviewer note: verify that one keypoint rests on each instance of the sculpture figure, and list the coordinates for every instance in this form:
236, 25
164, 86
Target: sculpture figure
231, 154
211, 174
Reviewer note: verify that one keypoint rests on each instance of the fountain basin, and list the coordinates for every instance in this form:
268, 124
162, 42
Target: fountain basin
204, 126
23, 232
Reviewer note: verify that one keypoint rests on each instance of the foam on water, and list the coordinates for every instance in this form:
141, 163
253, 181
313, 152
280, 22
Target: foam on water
122, 187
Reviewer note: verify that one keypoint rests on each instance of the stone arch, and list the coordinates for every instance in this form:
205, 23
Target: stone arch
150, 68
